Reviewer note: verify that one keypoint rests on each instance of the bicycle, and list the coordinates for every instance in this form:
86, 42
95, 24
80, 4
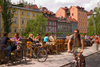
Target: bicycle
77, 62
41, 52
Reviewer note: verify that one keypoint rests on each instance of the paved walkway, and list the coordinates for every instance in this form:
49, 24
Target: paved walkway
55, 60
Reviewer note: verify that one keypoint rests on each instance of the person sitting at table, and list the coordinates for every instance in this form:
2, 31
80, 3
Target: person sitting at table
3, 41
46, 39
38, 39
31, 38
52, 39
16, 39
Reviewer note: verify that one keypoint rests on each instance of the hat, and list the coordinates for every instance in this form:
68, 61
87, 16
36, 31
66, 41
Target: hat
46, 34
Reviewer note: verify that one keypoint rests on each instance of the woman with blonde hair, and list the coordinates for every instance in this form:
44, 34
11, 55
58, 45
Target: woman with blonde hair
31, 38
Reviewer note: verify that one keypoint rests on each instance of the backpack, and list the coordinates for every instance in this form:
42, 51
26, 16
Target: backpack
73, 38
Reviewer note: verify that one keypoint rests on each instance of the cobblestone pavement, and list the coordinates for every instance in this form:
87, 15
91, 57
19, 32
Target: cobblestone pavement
91, 61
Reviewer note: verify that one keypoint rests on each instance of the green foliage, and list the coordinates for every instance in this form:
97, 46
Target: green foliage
6, 15
25, 3
91, 23
68, 33
35, 26
59, 33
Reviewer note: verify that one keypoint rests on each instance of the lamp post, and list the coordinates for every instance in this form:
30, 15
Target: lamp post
95, 45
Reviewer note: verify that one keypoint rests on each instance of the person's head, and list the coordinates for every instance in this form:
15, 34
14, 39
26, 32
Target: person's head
16, 34
30, 35
46, 34
52, 34
5, 34
68, 35
38, 35
76, 32
83, 35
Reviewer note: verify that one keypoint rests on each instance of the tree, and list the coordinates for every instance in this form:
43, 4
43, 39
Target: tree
35, 26
25, 3
91, 23
6, 15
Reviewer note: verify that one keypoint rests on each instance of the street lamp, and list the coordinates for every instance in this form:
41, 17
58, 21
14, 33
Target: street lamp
95, 45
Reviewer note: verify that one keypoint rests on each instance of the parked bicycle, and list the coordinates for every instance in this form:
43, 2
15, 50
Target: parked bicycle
77, 62
41, 53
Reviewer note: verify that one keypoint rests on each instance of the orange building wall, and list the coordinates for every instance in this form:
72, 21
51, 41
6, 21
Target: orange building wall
81, 17
74, 10
60, 12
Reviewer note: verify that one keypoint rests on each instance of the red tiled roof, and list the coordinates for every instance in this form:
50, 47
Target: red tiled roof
90, 13
48, 12
65, 8
32, 7
71, 19
50, 18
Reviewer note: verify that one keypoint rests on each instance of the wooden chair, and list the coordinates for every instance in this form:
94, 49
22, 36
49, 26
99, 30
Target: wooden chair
55, 48
62, 45
59, 45
3, 52
20, 50
65, 44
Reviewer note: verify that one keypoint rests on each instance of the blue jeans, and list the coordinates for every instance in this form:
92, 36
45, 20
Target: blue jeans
9, 50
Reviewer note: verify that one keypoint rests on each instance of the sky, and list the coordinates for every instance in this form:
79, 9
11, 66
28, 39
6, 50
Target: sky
54, 5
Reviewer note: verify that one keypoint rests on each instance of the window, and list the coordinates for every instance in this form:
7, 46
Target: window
10, 11
15, 20
55, 23
22, 21
22, 28
58, 26
22, 13
27, 13
55, 29
15, 29
45, 15
72, 14
44, 9
10, 20
27, 21
79, 14
15, 12
10, 30
34, 14
49, 23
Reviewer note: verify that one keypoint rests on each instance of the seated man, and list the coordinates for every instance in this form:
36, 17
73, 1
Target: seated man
3, 41
52, 39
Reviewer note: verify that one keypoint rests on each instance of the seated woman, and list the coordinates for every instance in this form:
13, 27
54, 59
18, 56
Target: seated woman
31, 38
38, 40
46, 39
16, 39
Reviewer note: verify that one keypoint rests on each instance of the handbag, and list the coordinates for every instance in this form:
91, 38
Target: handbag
19, 45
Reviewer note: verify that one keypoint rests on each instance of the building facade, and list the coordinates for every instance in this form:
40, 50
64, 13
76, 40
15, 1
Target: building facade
79, 14
73, 24
64, 12
21, 16
51, 25
64, 26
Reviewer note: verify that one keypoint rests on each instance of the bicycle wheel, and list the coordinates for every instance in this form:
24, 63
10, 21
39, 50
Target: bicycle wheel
73, 64
83, 62
42, 55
